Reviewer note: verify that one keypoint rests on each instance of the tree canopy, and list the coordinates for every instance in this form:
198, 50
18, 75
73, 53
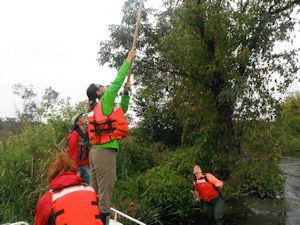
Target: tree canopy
207, 68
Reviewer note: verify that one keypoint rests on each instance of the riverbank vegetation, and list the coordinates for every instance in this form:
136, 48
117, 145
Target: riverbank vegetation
205, 79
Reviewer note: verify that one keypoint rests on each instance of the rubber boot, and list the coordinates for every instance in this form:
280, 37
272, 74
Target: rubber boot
103, 217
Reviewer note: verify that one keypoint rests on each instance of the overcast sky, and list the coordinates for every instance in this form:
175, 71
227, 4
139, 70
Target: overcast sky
55, 43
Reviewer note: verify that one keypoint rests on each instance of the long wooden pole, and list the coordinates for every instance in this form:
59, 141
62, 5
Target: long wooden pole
136, 34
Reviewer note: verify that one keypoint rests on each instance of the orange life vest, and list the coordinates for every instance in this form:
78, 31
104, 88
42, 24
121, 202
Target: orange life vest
103, 129
205, 189
76, 205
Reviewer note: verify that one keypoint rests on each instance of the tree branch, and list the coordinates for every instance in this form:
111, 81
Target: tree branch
284, 8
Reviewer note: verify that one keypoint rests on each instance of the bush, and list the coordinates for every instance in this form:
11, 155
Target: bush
258, 170
166, 193
183, 159
289, 123
161, 196
133, 158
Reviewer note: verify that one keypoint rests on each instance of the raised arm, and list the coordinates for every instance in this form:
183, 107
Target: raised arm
108, 99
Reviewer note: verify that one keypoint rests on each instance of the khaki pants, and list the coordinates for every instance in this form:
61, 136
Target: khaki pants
103, 175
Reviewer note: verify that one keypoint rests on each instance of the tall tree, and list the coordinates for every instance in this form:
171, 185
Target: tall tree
211, 64
225, 53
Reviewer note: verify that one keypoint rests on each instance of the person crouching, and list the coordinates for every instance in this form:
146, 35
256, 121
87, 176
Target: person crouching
68, 201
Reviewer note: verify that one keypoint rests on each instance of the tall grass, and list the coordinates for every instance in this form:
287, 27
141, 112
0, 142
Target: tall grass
24, 161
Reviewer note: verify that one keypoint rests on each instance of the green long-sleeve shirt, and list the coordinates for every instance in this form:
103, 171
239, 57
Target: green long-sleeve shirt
109, 97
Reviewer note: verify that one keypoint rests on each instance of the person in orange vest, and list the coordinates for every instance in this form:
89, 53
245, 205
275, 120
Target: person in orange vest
208, 189
79, 146
107, 124
68, 201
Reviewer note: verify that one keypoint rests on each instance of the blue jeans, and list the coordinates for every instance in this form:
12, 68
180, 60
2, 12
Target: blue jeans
85, 174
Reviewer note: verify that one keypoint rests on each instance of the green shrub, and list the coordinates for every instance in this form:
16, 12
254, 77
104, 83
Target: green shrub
160, 195
258, 170
183, 159
133, 158
166, 193
289, 123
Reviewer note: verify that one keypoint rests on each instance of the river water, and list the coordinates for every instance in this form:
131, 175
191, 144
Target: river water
291, 169
281, 211
284, 211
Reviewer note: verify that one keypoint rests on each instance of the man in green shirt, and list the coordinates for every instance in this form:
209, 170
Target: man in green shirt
103, 156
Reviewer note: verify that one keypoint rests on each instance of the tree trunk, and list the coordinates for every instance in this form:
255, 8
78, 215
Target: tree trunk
224, 144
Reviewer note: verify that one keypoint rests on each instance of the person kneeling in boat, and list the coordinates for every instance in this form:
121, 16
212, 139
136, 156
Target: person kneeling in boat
208, 189
68, 201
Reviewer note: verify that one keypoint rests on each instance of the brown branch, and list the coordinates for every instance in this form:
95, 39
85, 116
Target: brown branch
174, 71
289, 5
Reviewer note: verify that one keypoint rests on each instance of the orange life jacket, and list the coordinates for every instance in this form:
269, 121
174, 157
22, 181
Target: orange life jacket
76, 205
205, 189
103, 129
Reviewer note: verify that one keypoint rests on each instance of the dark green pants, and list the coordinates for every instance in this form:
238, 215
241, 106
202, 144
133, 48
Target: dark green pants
215, 210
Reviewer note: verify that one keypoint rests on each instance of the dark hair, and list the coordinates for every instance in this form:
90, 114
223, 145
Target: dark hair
92, 91
92, 105
93, 96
